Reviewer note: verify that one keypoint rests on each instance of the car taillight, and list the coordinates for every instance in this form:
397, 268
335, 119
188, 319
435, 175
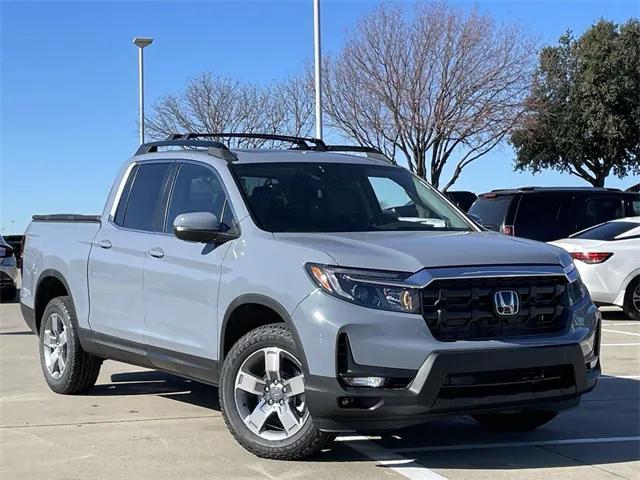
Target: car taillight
591, 257
507, 230
6, 252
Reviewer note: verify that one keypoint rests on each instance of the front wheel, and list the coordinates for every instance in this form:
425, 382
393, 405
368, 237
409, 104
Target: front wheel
262, 397
522, 421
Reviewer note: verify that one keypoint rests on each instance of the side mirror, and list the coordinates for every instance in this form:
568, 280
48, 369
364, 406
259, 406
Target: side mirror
203, 227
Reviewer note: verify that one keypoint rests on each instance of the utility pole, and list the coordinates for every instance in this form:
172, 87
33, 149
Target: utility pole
141, 42
318, 66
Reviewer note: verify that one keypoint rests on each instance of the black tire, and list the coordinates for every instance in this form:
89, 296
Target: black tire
8, 294
631, 310
304, 443
81, 369
523, 421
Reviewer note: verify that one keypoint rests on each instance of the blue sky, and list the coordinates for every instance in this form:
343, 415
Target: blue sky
69, 81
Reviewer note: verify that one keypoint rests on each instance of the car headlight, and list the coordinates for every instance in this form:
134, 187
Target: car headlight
373, 289
576, 291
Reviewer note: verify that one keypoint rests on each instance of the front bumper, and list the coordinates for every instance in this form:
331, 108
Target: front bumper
458, 383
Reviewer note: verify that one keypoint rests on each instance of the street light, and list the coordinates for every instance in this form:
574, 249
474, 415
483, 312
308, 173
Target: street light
318, 66
141, 42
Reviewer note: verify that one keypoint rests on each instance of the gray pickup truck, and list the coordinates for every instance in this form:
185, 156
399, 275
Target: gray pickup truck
322, 288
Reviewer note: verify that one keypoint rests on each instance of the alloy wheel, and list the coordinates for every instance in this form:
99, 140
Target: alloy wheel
55, 345
635, 298
269, 394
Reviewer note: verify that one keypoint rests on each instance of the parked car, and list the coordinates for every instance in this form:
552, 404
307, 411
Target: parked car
462, 199
15, 242
8, 271
608, 259
551, 213
322, 292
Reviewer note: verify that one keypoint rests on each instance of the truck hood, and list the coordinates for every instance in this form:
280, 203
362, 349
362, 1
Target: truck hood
412, 251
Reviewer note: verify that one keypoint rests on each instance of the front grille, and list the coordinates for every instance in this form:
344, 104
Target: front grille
507, 382
463, 308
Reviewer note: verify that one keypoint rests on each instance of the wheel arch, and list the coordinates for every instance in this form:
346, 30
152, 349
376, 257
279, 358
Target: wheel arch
51, 284
229, 335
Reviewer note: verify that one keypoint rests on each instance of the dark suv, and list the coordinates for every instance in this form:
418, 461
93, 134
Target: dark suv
551, 213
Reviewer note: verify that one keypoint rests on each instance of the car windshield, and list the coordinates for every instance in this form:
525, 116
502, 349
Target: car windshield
333, 197
607, 231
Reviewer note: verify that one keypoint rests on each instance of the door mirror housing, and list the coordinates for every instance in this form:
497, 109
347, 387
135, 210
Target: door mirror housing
203, 227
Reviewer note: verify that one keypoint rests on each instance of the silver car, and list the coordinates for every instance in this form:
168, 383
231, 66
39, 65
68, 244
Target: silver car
321, 291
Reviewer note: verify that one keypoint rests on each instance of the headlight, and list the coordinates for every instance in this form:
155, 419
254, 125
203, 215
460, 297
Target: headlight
576, 291
373, 289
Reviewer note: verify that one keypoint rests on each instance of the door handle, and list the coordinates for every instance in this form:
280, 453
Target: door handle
104, 243
156, 252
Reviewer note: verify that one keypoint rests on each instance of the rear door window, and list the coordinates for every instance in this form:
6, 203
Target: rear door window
543, 217
146, 202
492, 210
596, 210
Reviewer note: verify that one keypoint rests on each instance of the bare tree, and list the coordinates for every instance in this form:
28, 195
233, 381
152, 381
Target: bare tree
438, 85
216, 104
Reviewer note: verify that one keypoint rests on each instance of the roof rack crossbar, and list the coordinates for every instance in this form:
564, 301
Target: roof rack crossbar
370, 152
301, 142
216, 149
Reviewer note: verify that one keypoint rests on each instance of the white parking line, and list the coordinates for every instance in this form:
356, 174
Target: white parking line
609, 376
620, 331
539, 443
390, 459
620, 344
623, 324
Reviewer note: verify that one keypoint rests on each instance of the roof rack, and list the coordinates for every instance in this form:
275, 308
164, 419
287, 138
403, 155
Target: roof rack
219, 149
301, 142
216, 149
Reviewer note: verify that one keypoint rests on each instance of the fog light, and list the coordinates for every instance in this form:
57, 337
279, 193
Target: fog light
588, 345
370, 382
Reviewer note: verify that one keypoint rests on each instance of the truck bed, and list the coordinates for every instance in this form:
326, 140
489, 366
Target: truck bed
59, 243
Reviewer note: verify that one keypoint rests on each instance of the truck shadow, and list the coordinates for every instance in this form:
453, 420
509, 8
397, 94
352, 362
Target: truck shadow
162, 384
604, 429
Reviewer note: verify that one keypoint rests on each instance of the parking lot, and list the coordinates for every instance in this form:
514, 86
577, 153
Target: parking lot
142, 424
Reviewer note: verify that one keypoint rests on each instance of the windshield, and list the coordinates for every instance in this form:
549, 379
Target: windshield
333, 197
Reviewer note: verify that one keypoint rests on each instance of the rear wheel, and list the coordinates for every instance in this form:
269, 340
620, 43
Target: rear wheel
262, 397
522, 421
66, 367
631, 305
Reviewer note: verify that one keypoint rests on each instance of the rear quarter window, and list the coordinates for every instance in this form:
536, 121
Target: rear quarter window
492, 210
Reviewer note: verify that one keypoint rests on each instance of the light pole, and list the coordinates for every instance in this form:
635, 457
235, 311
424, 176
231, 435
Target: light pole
141, 42
318, 66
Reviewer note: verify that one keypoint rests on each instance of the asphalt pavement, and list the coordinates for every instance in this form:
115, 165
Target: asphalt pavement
141, 424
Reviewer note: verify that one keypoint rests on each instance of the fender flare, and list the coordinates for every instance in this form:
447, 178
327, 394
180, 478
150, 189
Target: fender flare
50, 272
256, 298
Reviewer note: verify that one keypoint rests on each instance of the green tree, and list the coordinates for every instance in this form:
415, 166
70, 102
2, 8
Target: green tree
583, 113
